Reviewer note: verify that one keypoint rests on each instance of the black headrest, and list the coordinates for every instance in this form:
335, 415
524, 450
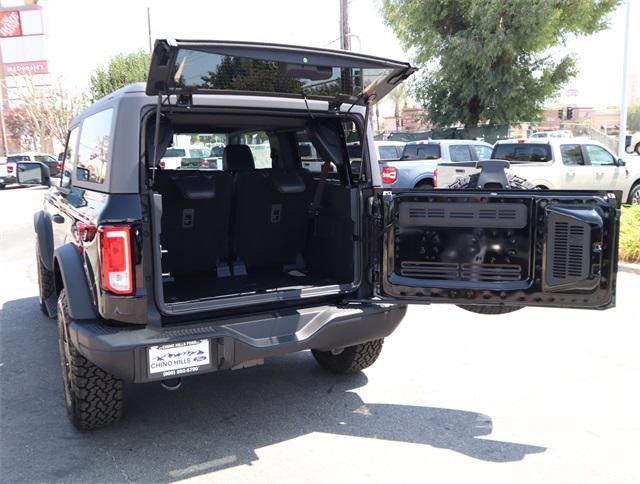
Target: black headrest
165, 137
195, 186
237, 158
283, 181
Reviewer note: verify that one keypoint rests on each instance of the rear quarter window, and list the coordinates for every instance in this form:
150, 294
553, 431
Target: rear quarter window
93, 149
421, 152
531, 152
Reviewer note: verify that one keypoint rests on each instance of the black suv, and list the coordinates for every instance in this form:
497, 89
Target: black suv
156, 274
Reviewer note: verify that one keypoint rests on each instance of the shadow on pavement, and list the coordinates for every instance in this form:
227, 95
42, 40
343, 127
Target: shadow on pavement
214, 422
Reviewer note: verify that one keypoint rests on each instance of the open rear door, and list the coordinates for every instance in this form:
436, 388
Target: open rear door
184, 67
513, 247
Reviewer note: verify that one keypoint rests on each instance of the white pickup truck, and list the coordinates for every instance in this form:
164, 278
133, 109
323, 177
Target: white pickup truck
558, 164
8, 173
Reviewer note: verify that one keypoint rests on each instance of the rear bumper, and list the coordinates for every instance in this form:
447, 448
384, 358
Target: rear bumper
8, 180
123, 352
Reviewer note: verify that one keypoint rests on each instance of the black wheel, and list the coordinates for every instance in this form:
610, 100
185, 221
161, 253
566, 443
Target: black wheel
350, 359
637, 149
93, 397
471, 181
488, 309
46, 282
634, 195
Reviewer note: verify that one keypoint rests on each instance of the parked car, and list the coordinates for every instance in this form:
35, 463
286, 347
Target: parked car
552, 134
416, 167
632, 143
55, 166
560, 164
157, 275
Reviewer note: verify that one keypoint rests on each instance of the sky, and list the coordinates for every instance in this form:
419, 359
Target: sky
85, 34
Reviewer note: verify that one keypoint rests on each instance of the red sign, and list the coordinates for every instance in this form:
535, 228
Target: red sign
26, 68
10, 24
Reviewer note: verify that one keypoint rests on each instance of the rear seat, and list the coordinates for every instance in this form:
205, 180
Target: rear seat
195, 219
270, 212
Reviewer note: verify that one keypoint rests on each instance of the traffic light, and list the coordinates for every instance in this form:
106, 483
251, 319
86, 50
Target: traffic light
569, 112
560, 113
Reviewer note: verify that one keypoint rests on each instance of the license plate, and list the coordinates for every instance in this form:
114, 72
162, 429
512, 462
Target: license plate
178, 358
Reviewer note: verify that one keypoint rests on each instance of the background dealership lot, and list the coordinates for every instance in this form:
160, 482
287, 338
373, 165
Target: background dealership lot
539, 395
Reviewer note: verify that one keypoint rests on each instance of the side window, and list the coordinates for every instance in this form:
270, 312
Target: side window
69, 158
460, 153
483, 152
599, 156
571, 155
258, 143
93, 150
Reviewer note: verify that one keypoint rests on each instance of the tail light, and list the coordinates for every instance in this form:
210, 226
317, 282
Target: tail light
162, 164
435, 178
9, 168
389, 174
115, 262
59, 166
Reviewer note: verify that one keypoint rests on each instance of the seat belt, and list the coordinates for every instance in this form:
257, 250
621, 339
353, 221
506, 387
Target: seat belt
317, 196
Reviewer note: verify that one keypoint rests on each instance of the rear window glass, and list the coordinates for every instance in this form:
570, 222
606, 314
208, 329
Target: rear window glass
93, 149
174, 152
421, 152
195, 151
207, 70
14, 158
522, 152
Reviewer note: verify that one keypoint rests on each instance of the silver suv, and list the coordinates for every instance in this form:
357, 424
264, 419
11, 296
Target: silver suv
416, 168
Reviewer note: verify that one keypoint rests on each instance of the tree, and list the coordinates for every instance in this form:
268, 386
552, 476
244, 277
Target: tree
120, 71
490, 60
43, 112
399, 98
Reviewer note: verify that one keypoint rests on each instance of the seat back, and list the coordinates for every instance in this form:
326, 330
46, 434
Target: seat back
195, 219
270, 217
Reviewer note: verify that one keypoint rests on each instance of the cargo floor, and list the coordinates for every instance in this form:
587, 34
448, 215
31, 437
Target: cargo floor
193, 287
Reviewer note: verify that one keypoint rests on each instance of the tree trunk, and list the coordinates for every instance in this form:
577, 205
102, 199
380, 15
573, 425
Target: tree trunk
475, 108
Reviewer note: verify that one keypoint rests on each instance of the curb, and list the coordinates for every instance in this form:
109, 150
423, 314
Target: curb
632, 268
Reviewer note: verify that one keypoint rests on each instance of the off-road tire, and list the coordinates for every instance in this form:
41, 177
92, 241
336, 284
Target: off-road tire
471, 181
93, 397
351, 359
46, 282
488, 309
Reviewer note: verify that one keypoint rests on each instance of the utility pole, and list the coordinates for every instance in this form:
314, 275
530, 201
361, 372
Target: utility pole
622, 134
149, 28
345, 35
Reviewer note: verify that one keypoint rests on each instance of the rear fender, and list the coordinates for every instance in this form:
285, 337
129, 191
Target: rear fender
44, 237
74, 281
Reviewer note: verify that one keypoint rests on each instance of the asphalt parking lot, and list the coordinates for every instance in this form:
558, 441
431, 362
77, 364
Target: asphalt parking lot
534, 396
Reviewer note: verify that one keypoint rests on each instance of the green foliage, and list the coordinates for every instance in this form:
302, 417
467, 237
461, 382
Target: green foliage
120, 71
630, 234
490, 60
633, 118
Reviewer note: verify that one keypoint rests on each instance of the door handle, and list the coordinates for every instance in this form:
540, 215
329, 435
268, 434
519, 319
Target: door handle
57, 218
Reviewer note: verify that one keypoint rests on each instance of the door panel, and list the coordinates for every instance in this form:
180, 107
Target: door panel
519, 248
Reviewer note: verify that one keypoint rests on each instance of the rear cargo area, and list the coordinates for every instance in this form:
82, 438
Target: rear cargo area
261, 224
